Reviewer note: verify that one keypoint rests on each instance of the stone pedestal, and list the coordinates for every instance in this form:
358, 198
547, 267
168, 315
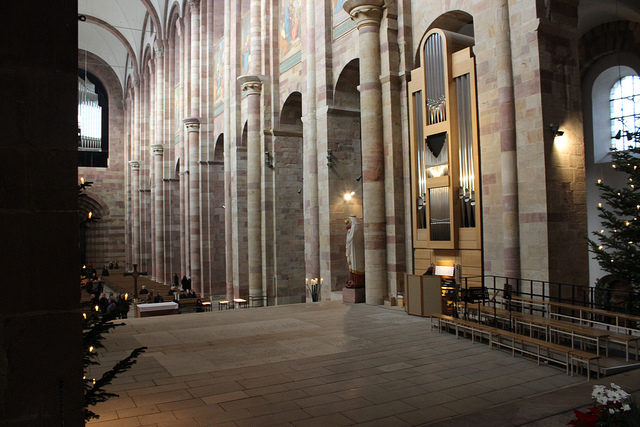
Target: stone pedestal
353, 295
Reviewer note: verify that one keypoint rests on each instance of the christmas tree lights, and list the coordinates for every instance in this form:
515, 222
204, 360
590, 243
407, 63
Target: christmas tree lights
615, 246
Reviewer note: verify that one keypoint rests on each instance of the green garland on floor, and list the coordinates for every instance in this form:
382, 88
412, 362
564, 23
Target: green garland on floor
94, 326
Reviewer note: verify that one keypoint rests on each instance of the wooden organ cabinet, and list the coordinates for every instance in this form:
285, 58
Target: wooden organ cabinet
446, 210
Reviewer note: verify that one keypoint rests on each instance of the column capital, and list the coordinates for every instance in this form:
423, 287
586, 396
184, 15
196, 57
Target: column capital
251, 84
364, 12
157, 149
135, 165
192, 124
158, 49
194, 5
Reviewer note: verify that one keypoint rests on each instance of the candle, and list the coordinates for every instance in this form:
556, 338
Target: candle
306, 280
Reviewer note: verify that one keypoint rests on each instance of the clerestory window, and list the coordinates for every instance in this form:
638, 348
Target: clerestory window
624, 105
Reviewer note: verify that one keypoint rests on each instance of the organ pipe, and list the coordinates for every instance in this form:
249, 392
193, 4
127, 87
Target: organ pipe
435, 79
89, 117
465, 150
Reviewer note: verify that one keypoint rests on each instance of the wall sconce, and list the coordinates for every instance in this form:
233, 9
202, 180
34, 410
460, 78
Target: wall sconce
555, 130
268, 159
331, 160
84, 184
348, 196
91, 217
359, 178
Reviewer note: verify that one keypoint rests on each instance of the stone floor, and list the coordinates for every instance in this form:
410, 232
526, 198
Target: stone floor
327, 364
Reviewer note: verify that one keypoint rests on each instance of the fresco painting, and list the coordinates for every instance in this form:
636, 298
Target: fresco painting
339, 14
290, 17
245, 43
177, 100
218, 72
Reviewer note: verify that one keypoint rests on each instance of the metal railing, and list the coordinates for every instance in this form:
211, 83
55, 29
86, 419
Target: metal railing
505, 288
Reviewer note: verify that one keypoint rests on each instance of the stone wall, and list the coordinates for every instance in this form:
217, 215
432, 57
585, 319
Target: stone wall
105, 238
40, 323
528, 76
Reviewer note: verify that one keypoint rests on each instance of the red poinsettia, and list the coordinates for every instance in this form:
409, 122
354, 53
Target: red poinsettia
589, 418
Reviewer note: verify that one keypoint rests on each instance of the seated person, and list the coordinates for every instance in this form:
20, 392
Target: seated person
143, 291
158, 298
103, 302
430, 270
199, 306
105, 272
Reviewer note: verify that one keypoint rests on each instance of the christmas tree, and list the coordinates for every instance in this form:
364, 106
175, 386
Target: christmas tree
616, 244
94, 326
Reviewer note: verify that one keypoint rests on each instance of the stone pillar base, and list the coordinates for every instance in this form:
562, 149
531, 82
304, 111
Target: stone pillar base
353, 295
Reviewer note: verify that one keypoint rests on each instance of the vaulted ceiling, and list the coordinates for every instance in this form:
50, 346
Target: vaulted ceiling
119, 30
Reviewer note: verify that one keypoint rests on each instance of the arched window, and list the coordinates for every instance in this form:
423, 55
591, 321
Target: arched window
93, 121
624, 105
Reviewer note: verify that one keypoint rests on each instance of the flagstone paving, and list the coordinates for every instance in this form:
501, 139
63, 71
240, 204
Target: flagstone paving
327, 364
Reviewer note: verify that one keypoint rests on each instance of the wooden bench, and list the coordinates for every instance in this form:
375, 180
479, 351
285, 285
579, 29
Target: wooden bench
460, 325
541, 350
518, 321
240, 302
625, 340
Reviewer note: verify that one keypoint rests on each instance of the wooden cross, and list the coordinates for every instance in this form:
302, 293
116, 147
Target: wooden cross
135, 273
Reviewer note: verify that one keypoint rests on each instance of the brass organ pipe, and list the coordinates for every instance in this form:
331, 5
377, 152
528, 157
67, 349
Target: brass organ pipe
429, 79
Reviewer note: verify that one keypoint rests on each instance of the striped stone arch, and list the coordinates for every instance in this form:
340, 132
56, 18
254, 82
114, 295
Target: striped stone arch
608, 38
90, 202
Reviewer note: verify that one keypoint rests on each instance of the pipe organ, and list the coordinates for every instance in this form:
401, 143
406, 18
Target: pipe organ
444, 155
89, 117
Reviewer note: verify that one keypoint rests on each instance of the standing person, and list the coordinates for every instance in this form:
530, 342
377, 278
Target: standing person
185, 283
176, 280
123, 307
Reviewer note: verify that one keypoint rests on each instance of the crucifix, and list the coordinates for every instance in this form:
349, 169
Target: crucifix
135, 273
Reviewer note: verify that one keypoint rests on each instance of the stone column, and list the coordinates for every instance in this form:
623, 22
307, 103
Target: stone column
135, 211
252, 86
508, 155
158, 215
310, 153
367, 15
192, 125
158, 199
227, 127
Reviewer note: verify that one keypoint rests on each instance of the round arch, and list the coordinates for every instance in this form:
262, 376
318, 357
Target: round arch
291, 111
455, 21
346, 94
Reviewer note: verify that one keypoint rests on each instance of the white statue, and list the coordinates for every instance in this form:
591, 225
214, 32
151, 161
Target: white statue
355, 252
